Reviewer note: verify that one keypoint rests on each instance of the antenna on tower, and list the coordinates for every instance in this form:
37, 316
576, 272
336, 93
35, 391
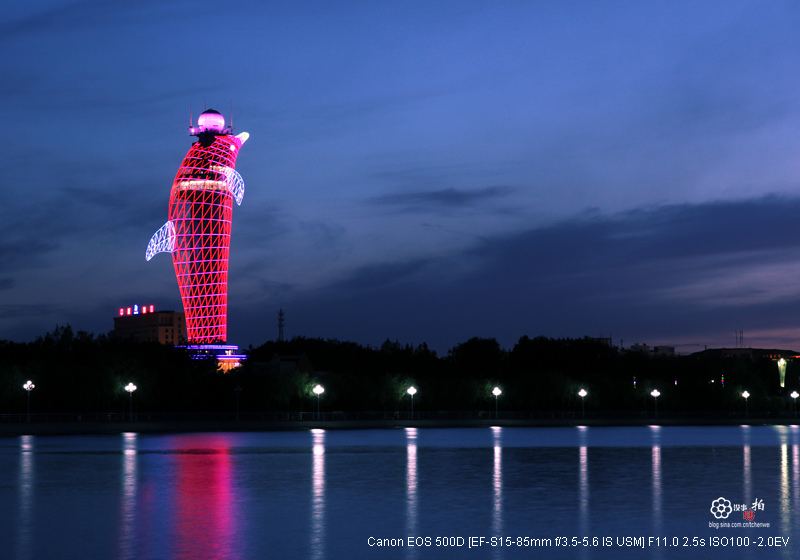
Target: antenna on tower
231, 125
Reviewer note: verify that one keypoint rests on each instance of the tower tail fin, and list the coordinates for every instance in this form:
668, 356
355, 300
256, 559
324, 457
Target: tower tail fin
163, 241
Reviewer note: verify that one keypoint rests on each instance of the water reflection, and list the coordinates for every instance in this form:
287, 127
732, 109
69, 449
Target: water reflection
655, 453
259, 496
795, 477
205, 498
128, 507
796, 474
583, 481
411, 487
318, 494
26, 476
497, 488
747, 476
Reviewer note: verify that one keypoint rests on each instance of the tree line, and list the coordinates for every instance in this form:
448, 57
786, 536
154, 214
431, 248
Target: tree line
80, 372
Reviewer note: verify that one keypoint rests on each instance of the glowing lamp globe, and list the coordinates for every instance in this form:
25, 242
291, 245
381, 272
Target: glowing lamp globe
211, 120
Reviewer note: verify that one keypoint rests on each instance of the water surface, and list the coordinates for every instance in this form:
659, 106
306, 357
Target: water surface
600, 492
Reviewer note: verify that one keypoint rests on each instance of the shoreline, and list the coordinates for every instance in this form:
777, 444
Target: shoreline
15, 429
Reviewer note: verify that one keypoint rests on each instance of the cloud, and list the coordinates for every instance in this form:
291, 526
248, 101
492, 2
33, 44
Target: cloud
444, 198
658, 274
14, 311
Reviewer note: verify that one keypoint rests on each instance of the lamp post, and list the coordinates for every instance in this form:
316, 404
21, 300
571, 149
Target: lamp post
794, 395
655, 394
318, 390
130, 387
582, 394
412, 391
496, 392
28, 386
746, 395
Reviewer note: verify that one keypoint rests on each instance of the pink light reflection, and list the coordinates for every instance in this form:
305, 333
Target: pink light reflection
205, 501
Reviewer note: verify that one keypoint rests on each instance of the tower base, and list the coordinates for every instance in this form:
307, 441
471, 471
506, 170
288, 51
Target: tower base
226, 355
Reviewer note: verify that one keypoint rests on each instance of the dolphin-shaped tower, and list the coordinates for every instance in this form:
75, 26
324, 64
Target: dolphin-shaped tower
198, 231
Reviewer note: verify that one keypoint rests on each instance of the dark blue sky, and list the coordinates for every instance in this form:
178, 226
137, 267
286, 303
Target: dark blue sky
418, 171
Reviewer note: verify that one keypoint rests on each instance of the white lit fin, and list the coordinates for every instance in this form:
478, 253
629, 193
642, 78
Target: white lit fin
163, 241
243, 136
235, 184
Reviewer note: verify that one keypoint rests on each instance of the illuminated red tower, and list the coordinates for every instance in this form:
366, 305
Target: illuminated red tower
198, 231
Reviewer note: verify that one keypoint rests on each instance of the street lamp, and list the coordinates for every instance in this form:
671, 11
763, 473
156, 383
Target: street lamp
496, 392
794, 395
656, 394
582, 394
29, 387
318, 390
412, 391
130, 387
746, 395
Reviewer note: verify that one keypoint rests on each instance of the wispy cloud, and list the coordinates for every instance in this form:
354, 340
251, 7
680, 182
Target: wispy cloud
450, 198
689, 270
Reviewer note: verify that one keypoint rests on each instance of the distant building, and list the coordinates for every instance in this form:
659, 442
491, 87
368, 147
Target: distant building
652, 350
774, 354
285, 364
663, 350
604, 340
148, 325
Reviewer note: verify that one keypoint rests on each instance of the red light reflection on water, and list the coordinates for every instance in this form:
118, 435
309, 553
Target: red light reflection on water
205, 525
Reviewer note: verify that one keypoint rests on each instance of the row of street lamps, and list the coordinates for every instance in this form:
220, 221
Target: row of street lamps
319, 389
29, 386
582, 394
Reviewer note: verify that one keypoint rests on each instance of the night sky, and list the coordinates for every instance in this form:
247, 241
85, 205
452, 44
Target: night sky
420, 171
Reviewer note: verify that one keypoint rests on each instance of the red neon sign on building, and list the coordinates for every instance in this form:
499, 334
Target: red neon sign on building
198, 231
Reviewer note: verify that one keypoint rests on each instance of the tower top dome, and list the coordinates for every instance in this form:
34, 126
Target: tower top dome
211, 121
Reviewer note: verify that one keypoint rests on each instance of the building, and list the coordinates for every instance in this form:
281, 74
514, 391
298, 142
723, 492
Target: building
148, 325
286, 364
652, 350
198, 234
198, 230
751, 354
226, 355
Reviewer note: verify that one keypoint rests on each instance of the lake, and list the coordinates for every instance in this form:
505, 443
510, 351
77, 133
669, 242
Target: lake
566, 492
